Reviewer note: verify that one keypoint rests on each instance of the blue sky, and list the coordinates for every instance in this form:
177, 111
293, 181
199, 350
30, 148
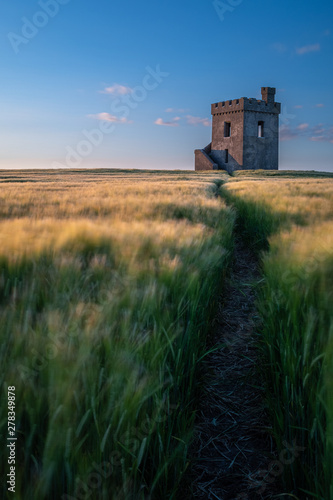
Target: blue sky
129, 84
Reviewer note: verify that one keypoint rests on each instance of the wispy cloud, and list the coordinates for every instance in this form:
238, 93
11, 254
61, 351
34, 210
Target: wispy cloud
300, 106
317, 133
320, 134
173, 123
308, 48
190, 120
106, 117
117, 89
175, 110
279, 47
287, 133
327, 33
196, 120
302, 126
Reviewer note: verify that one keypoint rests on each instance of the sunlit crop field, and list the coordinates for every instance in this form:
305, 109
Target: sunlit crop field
107, 280
108, 283
296, 304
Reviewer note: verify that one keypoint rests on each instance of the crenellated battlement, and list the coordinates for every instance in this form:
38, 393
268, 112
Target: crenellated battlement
225, 106
245, 104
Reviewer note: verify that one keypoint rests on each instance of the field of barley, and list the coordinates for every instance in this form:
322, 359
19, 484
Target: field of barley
291, 218
109, 280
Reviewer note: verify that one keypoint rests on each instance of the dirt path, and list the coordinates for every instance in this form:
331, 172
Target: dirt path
231, 445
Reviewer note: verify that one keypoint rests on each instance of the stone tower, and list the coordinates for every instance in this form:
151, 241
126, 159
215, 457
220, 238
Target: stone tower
245, 135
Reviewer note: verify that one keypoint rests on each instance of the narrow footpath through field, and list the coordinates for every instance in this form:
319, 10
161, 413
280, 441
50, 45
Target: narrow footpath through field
232, 447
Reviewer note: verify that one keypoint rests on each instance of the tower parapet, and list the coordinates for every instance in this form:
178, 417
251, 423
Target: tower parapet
245, 103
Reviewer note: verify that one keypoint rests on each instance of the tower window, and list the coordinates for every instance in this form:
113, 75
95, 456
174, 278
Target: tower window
260, 129
227, 129
227, 156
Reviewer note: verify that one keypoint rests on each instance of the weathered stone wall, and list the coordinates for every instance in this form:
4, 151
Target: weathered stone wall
234, 143
219, 157
203, 161
261, 152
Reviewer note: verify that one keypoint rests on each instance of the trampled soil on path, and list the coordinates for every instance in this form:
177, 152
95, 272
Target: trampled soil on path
232, 447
